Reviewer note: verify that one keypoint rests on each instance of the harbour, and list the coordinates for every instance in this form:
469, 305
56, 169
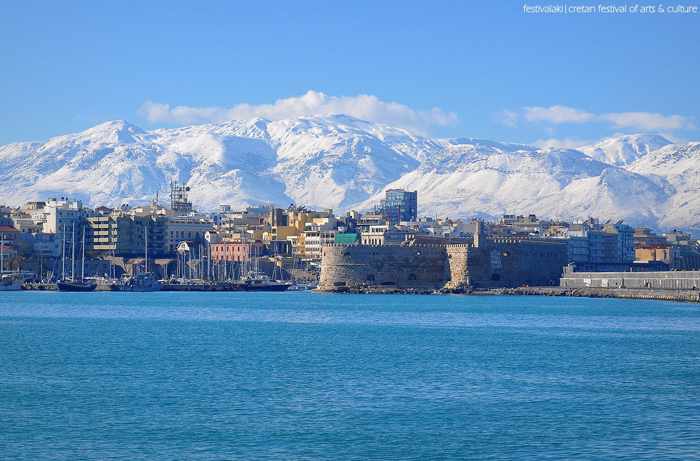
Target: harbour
296, 375
349, 231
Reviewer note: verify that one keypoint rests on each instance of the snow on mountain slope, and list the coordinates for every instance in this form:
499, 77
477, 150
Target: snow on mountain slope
334, 165
492, 178
341, 162
329, 162
108, 162
624, 150
678, 166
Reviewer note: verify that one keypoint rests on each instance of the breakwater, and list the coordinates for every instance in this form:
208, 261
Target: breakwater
692, 296
625, 293
666, 280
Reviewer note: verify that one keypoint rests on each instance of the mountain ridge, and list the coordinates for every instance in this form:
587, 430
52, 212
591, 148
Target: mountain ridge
343, 163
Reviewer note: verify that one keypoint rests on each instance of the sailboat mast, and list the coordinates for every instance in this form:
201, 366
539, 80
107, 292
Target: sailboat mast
72, 253
145, 231
63, 256
82, 264
2, 253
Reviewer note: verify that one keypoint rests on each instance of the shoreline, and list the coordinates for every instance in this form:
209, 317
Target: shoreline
689, 296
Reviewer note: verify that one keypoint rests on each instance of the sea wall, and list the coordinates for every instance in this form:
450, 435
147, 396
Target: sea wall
624, 293
670, 280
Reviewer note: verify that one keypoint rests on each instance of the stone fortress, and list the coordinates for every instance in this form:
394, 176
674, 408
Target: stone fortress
413, 266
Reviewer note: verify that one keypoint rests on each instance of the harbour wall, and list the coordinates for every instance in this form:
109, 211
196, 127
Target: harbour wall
670, 280
624, 293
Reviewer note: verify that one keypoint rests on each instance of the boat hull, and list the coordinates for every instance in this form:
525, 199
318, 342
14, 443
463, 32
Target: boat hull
11, 283
266, 287
76, 286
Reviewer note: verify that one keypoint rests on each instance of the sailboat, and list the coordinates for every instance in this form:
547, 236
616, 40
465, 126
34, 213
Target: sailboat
256, 280
143, 281
71, 284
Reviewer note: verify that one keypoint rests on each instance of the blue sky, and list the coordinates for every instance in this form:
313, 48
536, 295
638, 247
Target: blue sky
452, 68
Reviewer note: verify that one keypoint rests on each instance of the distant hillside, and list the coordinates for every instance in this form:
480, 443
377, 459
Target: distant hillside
342, 163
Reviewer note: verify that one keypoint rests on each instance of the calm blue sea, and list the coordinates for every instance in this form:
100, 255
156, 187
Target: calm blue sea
169, 376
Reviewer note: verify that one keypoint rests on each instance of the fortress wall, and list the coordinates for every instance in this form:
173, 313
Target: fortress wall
500, 263
458, 264
404, 267
512, 263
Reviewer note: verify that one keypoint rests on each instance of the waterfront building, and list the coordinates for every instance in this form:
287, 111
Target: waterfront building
9, 240
63, 213
400, 205
277, 217
25, 223
596, 247
235, 251
384, 235
647, 238
242, 224
190, 228
676, 256
179, 201
624, 243
124, 235
511, 224
315, 239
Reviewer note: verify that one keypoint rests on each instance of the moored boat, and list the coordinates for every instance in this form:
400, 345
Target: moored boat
261, 282
76, 285
142, 282
11, 282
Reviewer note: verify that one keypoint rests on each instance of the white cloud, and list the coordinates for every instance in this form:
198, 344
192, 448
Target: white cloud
313, 103
648, 121
557, 115
561, 143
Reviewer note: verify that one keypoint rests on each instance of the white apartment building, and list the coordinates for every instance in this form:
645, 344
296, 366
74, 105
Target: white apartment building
60, 214
315, 239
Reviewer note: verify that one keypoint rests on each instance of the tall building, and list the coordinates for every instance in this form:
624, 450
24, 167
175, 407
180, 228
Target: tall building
122, 234
179, 201
400, 205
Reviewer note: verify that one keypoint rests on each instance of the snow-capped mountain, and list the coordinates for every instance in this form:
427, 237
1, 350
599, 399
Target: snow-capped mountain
341, 162
676, 167
623, 150
490, 178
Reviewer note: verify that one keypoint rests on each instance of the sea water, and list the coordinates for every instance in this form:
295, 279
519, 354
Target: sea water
315, 376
